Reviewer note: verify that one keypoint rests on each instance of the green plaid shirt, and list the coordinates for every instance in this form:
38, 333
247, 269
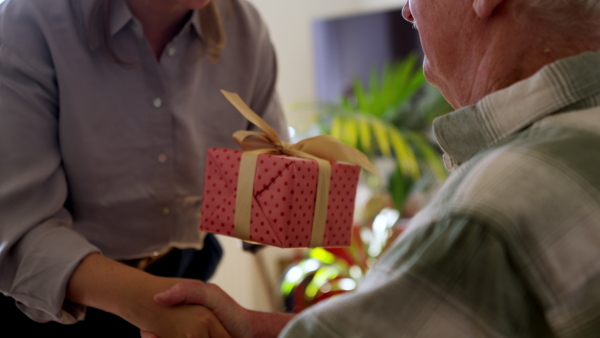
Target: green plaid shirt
510, 246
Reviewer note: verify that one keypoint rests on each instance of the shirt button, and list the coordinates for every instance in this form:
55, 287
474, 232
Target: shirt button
166, 211
162, 158
171, 51
157, 102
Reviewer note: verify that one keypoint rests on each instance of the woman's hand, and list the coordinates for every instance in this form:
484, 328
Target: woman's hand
128, 292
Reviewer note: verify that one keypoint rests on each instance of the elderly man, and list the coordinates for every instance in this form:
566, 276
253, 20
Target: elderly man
510, 247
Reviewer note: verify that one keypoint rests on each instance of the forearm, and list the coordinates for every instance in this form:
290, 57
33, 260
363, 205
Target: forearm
268, 324
105, 284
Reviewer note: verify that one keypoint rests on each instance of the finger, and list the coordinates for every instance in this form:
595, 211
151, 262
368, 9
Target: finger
211, 297
183, 293
146, 334
208, 295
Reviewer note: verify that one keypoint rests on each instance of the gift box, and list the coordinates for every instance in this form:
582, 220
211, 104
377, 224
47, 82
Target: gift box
281, 194
283, 199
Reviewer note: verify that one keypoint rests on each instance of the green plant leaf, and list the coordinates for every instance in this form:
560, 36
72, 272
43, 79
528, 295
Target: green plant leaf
350, 132
382, 137
404, 155
364, 134
390, 115
336, 127
400, 186
359, 93
429, 154
345, 104
371, 99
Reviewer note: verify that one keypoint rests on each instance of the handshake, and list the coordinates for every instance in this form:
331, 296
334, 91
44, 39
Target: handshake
205, 310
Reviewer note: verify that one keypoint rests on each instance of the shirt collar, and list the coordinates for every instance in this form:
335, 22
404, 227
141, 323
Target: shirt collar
195, 23
571, 83
121, 16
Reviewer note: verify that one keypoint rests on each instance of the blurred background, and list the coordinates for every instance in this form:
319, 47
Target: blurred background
351, 69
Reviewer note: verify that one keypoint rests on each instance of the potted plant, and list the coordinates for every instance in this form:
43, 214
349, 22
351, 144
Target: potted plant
389, 119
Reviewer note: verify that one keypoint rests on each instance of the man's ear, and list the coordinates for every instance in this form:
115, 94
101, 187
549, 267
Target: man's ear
484, 8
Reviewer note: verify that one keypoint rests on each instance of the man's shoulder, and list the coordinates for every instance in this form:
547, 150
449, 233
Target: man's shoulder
541, 171
562, 141
567, 142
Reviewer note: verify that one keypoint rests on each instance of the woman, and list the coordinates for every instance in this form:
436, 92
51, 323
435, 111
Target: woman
106, 110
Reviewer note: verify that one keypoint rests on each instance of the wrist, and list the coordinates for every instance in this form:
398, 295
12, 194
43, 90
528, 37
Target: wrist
108, 285
267, 324
137, 305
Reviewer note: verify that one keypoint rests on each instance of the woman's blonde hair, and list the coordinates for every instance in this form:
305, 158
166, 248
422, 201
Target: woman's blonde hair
210, 18
212, 30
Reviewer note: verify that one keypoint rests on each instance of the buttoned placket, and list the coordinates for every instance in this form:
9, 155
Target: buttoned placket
162, 157
160, 120
171, 50
169, 59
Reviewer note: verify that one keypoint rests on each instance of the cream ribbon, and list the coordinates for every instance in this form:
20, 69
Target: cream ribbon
322, 149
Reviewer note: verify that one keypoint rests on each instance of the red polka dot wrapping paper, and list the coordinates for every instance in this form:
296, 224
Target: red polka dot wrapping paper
284, 198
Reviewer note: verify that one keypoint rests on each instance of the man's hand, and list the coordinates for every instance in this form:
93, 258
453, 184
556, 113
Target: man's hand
189, 321
239, 322
233, 317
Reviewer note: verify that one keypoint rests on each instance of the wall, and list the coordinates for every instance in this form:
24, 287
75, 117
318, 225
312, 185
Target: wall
290, 27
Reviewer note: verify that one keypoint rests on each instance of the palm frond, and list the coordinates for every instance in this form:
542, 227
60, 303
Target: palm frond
336, 127
364, 134
350, 132
390, 116
382, 137
405, 157
428, 154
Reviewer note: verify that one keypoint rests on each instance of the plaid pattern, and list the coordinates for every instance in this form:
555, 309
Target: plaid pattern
510, 246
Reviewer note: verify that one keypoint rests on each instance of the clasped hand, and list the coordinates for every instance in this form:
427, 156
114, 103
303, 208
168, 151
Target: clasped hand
198, 310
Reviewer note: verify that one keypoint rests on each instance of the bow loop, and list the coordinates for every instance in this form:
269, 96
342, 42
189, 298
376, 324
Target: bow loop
269, 134
323, 147
329, 148
252, 140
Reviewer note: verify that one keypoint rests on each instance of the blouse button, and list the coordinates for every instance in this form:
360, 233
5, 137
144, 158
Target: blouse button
157, 102
162, 158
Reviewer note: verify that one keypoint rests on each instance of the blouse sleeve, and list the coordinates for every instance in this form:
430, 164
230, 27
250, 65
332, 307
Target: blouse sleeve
38, 248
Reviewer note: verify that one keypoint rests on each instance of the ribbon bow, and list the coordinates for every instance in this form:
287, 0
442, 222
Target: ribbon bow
322, 149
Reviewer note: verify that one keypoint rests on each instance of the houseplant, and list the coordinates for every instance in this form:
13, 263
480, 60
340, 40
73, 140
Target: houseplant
389, 119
